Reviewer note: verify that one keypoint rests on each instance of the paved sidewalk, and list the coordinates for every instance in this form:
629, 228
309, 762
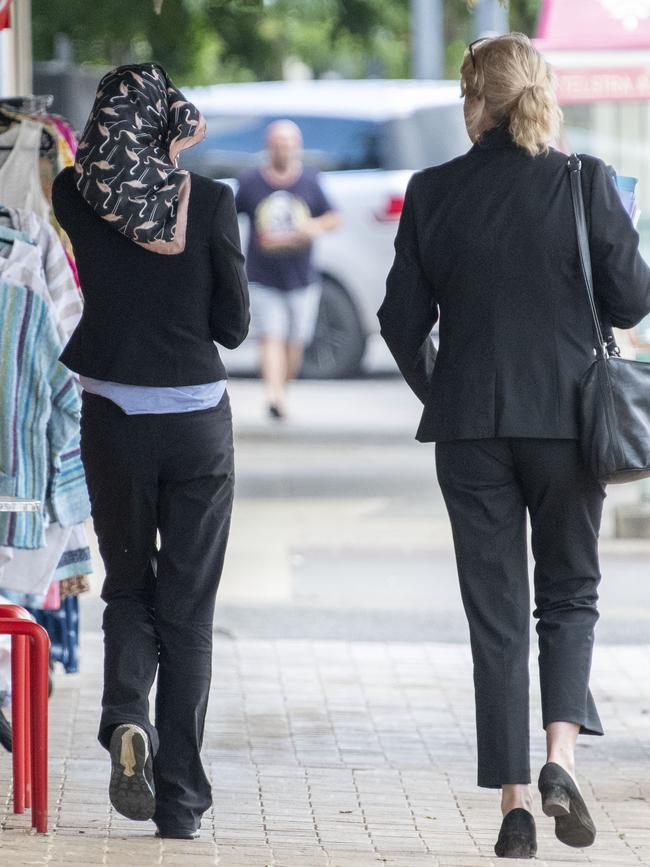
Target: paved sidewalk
345, 754
328, 410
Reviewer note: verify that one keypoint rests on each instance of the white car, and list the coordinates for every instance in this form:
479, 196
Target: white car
366, 137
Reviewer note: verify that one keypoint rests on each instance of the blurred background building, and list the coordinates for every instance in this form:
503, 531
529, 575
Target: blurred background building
347, 501
319, 52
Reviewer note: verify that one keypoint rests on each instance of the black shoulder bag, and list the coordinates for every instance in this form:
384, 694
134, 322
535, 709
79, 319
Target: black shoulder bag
614, 392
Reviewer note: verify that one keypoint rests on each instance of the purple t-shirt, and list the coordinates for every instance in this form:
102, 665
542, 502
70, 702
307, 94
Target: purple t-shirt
279, 209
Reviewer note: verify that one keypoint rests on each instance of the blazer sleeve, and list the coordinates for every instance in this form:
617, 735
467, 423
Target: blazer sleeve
621, 277
60, 201
409, 311
230, 310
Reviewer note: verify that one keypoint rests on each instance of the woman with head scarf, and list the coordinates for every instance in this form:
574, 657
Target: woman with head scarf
162, 275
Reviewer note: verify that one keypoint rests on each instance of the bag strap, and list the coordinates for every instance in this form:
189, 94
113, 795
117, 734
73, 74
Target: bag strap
574, 166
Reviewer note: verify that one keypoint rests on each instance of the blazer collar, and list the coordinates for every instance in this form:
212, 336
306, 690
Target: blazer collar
495, 137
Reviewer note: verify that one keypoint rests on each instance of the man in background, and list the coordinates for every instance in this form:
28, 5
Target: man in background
287, 209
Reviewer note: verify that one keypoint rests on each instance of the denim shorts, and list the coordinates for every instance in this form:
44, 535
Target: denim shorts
288, 315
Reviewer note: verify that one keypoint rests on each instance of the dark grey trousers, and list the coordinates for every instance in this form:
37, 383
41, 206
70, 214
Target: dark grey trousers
488, 486
171, 473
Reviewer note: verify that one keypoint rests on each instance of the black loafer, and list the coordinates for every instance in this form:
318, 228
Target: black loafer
517, 837
132, 788
178, 833
562, 800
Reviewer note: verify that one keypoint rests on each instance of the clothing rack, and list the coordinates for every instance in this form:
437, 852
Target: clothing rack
43, 570
29, 104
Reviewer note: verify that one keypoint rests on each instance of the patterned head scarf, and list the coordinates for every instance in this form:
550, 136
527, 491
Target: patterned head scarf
126, 157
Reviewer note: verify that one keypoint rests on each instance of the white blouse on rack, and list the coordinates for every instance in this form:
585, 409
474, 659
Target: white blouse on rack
20, 181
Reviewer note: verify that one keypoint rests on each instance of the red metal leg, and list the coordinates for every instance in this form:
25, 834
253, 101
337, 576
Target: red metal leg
29, 740
40, 653
39, 659
18, 722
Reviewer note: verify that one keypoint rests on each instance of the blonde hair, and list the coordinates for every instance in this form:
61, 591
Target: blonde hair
510, 80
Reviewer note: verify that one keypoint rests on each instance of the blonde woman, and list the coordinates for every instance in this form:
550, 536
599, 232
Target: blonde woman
487, 242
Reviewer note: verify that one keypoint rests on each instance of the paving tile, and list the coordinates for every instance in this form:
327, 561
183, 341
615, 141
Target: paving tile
341, 754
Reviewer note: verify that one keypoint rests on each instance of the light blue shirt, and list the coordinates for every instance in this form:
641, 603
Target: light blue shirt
143, 399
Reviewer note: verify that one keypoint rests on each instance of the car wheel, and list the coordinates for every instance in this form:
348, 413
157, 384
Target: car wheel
339, 342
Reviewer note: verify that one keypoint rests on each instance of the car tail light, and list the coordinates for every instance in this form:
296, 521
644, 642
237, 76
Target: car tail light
391, 211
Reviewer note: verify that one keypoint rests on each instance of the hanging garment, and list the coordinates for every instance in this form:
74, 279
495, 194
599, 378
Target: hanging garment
66, 551
66, 148
20, 181
39, 421
57, 157
74, 586
65, 556
21, 264
5, 557
32, 570
60, 284
65, 131
52, 599
62, 626
76, 559
23, 267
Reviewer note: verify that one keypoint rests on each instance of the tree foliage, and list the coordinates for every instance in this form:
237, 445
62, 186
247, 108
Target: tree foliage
205, 41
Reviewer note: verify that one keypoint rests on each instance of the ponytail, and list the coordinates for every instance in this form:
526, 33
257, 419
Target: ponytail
514, 83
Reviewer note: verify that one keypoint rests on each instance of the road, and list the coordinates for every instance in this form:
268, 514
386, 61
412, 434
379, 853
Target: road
339, 528
340, 531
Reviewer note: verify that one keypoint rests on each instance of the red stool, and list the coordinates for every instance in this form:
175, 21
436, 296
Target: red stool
30, 651
20, 711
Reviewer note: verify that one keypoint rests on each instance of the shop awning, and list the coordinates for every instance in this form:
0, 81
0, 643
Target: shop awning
600, 49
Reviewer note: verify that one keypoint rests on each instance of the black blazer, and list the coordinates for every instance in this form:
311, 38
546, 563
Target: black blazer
488, 241
151, 318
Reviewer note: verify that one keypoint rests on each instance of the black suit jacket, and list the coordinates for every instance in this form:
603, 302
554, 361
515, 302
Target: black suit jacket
488, 242
151, 318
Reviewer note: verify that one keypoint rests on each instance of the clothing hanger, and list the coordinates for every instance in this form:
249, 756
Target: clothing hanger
12, 107
6, 121
10, 235
30, 104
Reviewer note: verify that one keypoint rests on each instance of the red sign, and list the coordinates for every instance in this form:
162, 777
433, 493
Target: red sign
591, 84
4, 14
587, 24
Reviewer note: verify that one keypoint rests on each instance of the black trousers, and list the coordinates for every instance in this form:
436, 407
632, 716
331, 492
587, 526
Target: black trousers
488, 486
172, 473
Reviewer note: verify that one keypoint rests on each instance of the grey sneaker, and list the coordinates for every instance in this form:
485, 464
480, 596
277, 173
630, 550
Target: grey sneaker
132, 789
